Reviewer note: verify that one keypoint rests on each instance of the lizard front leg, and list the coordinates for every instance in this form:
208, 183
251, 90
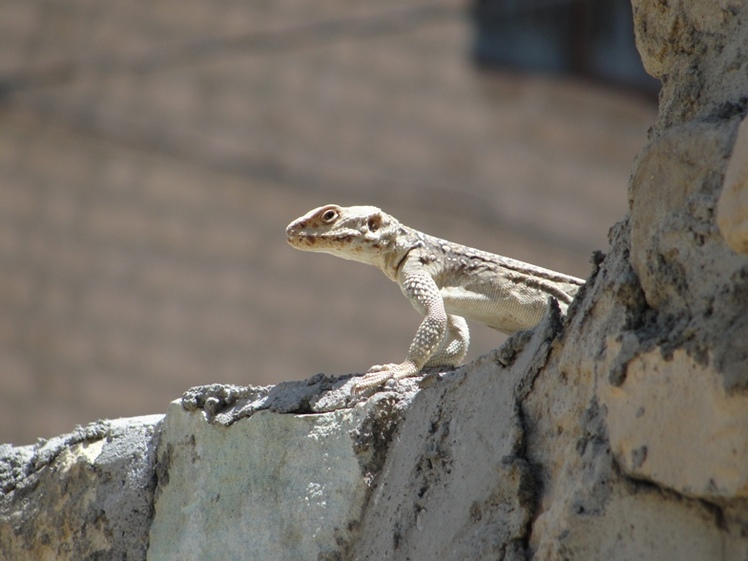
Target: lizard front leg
449, 353
424, 294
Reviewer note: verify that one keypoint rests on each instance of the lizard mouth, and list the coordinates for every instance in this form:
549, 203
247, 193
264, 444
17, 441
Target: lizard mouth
301, 242
341, 238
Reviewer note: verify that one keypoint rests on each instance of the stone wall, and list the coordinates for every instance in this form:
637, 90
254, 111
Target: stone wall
617, 433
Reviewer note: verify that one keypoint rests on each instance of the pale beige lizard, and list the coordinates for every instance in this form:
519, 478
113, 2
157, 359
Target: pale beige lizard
446, 282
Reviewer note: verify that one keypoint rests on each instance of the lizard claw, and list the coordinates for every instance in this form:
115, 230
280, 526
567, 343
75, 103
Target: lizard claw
380, 373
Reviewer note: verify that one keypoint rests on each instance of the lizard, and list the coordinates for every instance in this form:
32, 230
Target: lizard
445, 282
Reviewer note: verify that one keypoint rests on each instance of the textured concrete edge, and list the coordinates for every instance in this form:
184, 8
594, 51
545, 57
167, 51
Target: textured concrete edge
80, 495
293, 464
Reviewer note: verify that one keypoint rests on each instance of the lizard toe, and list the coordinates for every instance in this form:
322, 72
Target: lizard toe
371, 380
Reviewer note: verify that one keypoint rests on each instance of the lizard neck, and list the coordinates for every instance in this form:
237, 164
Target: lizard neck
396, 250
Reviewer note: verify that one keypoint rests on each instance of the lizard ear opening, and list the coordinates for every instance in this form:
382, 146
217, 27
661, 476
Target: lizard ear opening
375, 222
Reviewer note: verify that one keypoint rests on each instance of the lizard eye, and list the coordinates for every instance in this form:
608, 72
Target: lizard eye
329, 216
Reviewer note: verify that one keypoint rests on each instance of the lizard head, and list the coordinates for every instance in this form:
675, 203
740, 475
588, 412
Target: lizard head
358, 233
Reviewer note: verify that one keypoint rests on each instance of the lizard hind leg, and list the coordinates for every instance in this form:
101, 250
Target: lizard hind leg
453, 348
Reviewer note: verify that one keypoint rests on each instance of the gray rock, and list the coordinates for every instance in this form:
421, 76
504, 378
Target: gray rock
85, 495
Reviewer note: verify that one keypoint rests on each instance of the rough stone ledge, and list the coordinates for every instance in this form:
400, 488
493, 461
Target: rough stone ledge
299, 470
453, 465
84, 495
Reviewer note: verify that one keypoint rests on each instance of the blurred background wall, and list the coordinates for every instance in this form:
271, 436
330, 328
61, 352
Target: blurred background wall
152, 153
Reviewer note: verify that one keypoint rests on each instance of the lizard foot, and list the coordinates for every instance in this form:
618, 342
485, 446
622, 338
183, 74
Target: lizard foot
382, 368
380, 373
